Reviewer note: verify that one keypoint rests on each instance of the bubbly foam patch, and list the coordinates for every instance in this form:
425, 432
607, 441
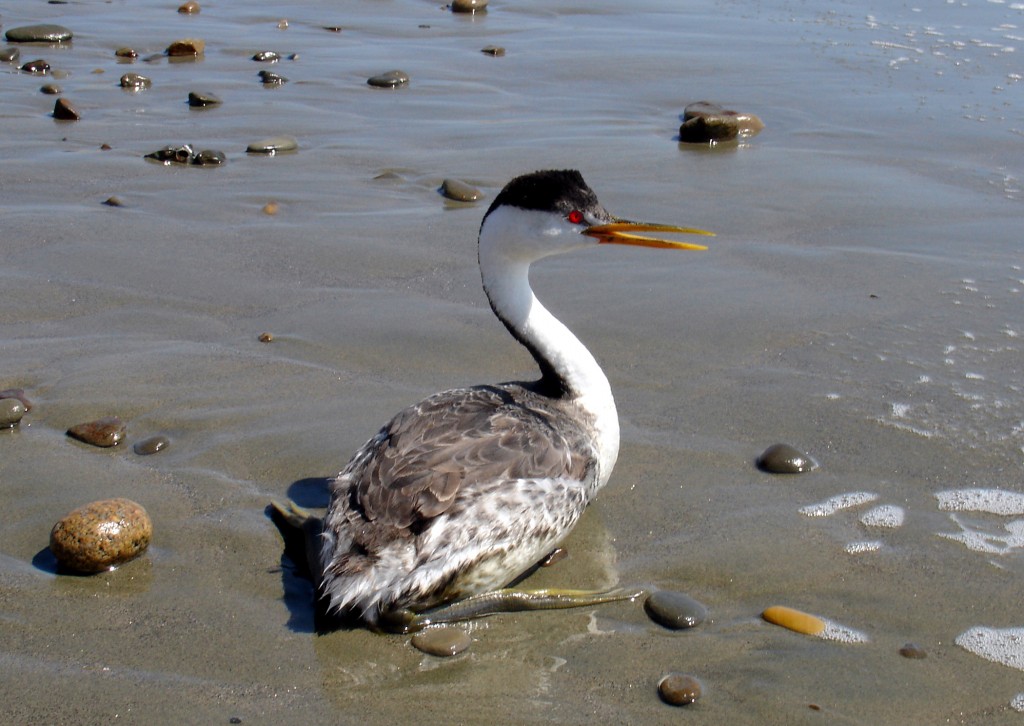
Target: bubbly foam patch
1001, 645
993, 501
1017, 704
1011, 539
857, 548
835, 631
885, 515
839, 502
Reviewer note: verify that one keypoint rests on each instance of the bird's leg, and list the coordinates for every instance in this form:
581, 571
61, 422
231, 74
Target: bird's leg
499, 601
301, 531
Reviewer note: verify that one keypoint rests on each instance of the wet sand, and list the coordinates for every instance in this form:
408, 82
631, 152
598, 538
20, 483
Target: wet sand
861, 301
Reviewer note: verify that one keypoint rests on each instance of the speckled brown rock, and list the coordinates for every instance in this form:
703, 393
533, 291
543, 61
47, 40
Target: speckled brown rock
101, 535
186, 47
105, 432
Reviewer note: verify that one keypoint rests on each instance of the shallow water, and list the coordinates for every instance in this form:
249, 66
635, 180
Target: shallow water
862, 301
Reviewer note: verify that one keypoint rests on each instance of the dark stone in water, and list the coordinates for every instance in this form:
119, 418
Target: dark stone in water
913, 651
267, 56
126, 53
273, 145
38, 66
42, 33
188, 47
708, 123
64, 111
9, 55
104, 432
495, 50
201, 99
679, 689
51, 89
189, 8
675, 610
135, 81
269, 78
151, 445
113, 202
183, 154
391, 79
460, 191
209, 157
469, 6
11, 412
784, 459
442, 642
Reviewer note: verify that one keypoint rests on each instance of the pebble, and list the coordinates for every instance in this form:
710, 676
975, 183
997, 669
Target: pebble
38, 66
9, 55
266, 56
18, 393
186, 47
282, 24
468, 6
151, 445
784, 459
270, 208
202, 99
101, 535
43, 33
269, 78
679, 689
273, 145
51, 89
113, 202
913, 651
442, 642
708, 123
266, 338
391, 79
126, 53
135, 81
64, 111
210, 157
674, 610
460, 191
495, 50
11, 412
794, 620
183, 154
189, 8
105, 432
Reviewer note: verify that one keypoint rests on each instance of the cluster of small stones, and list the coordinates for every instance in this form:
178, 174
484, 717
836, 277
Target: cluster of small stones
708, 123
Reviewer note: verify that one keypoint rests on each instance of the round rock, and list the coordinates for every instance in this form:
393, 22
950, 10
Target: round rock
468, 6
151, 445
675, 610
785, 459
266, 56
679, 689
189, 8
101, 535
42, 33
135, 81
11, 412
269, 78
18, 393
913, 651
126, 53
460, 191
38, 66
105, 432
210, 157
442, 642
51, 89
273, 145
391, 79
188, 47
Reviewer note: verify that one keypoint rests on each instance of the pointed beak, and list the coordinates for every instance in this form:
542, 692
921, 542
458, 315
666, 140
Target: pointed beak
625, 232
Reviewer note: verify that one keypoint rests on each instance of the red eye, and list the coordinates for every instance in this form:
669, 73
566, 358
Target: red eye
575, 217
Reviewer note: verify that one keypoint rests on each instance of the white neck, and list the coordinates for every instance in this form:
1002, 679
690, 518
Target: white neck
558, 352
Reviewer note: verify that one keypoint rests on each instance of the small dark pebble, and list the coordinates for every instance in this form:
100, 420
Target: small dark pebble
11, 412
135, 81
674, 610
51, 89
38, 66
266, 338
709, 130
333, 28
460, 191
784, 459
186, 48
269, 78
189, 8
113, 202
18, 393
64, 111
495, 50
468, 6
9, 55
442, 642
209, 157
679, 689
183, 154
391, 79
151, 445
203, 99
234, 719
104, 432
273, 145
266, 56
43, 33
126, 53
914, 651
105, 147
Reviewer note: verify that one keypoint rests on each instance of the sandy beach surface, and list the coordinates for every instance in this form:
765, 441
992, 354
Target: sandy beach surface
863, 301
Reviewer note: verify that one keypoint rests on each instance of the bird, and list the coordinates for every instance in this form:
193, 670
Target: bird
465, 492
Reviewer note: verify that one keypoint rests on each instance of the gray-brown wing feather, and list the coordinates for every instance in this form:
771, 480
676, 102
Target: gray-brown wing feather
444, 448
